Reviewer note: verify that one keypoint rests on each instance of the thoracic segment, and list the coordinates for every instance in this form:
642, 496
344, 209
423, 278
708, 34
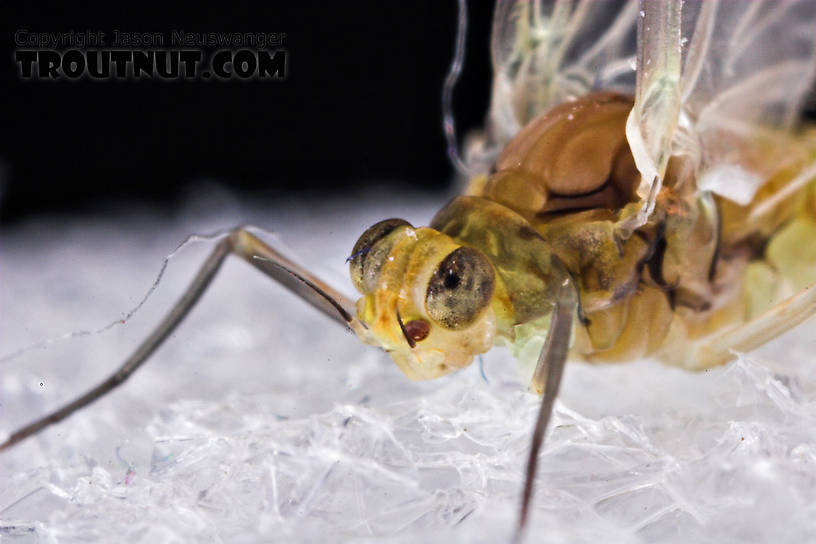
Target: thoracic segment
681, 276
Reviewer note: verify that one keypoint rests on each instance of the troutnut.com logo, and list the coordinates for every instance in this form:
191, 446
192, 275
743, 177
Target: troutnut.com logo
177, 55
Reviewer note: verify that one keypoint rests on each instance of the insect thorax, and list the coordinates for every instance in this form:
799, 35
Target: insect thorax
554, 206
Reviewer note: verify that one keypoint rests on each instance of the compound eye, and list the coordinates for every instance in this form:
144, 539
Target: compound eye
366, 259
460, 288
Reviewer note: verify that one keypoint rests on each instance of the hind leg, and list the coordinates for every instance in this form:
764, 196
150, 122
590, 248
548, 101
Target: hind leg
719, 348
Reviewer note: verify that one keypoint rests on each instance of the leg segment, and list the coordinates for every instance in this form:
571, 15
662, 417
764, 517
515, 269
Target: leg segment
255, 252
547, 379
719, 348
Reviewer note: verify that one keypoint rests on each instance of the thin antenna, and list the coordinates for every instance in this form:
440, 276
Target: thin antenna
44, 344
448, 124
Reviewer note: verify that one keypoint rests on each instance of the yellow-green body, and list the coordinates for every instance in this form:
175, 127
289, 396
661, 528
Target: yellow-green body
694, 268
556, 207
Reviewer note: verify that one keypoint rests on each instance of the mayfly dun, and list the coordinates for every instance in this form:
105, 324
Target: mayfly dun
642, 188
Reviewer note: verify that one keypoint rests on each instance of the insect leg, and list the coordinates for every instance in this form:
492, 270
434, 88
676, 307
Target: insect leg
547, 378
719, 348
297, 279
251, 249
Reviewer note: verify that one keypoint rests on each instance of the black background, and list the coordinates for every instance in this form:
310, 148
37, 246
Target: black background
361, 104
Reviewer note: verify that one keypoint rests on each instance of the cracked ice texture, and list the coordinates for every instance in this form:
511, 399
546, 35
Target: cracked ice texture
260, 419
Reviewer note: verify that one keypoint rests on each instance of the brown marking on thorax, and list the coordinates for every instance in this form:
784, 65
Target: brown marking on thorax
573, 157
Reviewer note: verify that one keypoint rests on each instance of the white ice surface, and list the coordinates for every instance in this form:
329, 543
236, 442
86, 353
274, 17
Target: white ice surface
260, 420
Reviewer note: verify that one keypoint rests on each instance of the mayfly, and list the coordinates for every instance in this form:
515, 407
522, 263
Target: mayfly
642, 188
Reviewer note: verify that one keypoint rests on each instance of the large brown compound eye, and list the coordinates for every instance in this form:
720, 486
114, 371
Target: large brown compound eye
367, 257
460, 288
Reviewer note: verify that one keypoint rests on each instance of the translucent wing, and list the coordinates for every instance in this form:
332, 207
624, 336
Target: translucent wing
546, 52
721, 82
